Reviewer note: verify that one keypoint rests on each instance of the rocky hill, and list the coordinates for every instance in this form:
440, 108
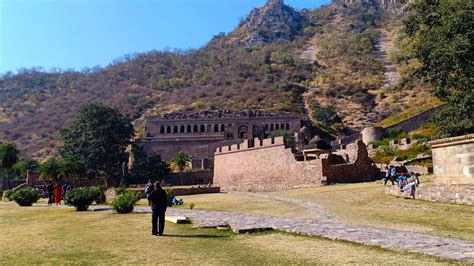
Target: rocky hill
271, 22
277, 59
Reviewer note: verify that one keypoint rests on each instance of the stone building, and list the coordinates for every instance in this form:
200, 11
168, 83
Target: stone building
200, 133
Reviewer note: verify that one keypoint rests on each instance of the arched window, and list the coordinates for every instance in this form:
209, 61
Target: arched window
175, 130
203, 128
216, 128
168, 129
277, 127
189, 128
195, 129
282, 126
222, 127
162, 130
182, 129
272, 127
266, 126
287, 126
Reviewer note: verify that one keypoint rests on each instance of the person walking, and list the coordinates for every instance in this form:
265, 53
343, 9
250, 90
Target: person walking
50, 191
58, 191
391, 173
159, 203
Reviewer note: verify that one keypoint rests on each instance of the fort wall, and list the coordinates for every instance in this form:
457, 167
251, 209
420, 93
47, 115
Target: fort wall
267, 165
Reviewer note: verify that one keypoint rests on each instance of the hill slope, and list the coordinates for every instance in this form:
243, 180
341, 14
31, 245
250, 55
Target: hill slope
276, 59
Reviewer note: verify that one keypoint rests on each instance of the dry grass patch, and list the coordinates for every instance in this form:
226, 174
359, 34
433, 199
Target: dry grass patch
241, 203
50, 235
367, 204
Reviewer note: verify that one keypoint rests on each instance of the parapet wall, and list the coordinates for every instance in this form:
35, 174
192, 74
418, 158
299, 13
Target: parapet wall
265, 165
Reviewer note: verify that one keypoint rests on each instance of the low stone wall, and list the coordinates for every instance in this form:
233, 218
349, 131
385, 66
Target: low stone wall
459, 194
194, 190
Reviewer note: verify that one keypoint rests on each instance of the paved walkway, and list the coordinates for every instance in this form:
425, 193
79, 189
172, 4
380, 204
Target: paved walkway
326, 226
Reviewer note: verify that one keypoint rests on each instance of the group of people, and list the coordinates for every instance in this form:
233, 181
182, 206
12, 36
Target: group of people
405, 181
55, 191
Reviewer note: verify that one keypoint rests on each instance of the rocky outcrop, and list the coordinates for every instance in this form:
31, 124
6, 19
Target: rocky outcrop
271, 22
388, 5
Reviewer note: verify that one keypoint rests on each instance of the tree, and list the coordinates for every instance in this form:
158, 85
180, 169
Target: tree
290, 141
72, 168
24, 165
440, 38
327, 115
98, 137
8, 157
50, 170
181, 161
147, 167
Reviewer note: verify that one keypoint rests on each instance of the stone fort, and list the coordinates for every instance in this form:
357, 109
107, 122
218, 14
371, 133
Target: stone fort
199, 134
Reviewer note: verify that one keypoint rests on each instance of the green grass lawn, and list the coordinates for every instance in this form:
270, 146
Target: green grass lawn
364, 204
50, 235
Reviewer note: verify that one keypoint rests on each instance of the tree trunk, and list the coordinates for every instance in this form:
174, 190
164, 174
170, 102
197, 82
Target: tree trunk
181, 177
7, 175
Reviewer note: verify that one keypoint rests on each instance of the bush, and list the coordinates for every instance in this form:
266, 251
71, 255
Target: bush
125, 201
99, 194
7, 195
25, 196
80, 198
192, 205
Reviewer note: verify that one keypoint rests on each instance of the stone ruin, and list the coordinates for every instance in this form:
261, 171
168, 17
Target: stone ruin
266, 165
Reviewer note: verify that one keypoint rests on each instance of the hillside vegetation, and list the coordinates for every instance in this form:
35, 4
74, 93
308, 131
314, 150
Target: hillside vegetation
258, 65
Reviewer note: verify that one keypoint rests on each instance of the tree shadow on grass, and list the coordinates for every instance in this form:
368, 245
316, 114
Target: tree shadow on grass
205, 236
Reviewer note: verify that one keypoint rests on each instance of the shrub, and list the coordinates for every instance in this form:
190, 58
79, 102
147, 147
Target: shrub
119, 191
191, 205
80, 198
7, 195
125, 201
25, 196
99, 194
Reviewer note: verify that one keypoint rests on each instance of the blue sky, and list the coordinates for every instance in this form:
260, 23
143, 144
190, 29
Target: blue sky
80, 33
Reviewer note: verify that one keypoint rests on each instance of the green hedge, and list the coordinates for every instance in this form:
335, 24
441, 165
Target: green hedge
81, 198
25, 196
125, 201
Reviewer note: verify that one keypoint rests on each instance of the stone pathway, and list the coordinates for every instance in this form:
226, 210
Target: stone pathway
326, 226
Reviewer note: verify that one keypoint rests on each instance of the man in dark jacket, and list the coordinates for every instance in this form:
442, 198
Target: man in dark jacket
159, 203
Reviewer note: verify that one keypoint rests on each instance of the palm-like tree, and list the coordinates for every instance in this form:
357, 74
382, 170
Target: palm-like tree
71, 168
50, 170
8, 158
181, 160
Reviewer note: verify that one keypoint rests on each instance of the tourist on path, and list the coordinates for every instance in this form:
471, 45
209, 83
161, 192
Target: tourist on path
391, 173
58, 191
159, 203
50, 191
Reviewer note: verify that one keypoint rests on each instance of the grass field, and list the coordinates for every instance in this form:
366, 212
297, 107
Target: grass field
51, 235
364, 204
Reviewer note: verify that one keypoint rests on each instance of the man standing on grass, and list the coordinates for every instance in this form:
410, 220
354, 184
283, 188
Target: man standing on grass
159, 203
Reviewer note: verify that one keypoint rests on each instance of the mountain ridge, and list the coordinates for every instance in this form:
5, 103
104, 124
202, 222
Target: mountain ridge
257, 66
